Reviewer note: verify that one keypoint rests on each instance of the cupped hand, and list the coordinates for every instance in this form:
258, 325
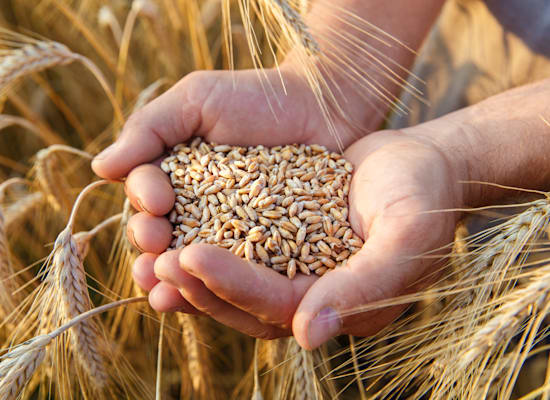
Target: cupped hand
241, 108
400, 179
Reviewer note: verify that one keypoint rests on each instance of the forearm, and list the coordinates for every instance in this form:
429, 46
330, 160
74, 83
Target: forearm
355, 46
503, 140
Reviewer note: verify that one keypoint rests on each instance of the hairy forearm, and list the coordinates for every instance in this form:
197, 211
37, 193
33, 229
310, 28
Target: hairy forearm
504, 140
355, 36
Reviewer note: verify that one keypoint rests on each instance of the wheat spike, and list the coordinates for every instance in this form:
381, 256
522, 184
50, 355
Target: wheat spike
70, 285
31, 58
22, 208
18, 366
295, 20
303, 372
505, 324
191, 340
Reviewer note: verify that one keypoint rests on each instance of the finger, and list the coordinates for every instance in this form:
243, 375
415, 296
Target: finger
148, 233
166, 298
143, 271
149, 189
256, 289
167, 268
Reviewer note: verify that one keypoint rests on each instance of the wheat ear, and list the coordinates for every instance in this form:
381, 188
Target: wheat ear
297, 23
67, 283
22, 208
191, 340
106, 18
53, 183
516, 306
36, 56
18, 365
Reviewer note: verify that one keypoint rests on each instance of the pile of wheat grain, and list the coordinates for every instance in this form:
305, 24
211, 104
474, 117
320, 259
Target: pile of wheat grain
285, 207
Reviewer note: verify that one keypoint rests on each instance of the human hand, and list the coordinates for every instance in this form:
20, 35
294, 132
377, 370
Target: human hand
221, 106
399, 178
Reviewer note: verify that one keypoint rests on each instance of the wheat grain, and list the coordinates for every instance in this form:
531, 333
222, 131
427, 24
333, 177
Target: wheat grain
22, 208
20, 362
256, 202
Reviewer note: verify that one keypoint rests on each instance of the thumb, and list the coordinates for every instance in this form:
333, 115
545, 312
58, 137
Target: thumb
225, 107
324, 311
169, 119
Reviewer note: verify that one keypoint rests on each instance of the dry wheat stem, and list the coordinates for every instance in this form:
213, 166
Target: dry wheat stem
158, 388
256, 390
284, 207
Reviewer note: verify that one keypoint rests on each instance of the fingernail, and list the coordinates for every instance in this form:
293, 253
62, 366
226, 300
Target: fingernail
323, 327
106, 152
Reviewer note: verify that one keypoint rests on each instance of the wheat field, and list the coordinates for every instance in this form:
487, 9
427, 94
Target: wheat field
75, 326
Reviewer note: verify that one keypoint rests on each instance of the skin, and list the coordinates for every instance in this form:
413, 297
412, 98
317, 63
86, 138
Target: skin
399, 177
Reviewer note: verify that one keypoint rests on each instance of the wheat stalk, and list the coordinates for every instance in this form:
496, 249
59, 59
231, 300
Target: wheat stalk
6, 271
106, 18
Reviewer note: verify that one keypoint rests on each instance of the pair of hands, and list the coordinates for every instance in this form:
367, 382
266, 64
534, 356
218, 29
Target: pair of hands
399, 176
